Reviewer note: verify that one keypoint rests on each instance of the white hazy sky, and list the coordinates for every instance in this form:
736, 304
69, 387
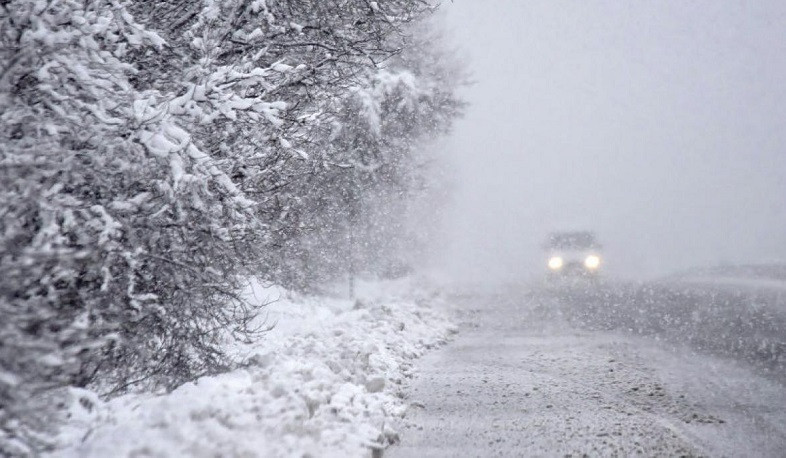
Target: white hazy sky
659, 124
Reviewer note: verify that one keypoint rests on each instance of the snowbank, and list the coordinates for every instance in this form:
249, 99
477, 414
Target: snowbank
324, 382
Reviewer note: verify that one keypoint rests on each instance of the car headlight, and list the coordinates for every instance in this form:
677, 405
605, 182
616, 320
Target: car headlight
592, 262
555, 263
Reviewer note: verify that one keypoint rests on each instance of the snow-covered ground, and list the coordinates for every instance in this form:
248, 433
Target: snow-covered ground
766, 277
526, 378
325, 381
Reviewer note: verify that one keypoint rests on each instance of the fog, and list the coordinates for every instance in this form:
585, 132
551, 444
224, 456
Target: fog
659, 125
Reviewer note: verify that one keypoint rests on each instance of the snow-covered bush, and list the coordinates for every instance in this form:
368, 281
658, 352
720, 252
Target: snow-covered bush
372, 163
115, 227
152, 153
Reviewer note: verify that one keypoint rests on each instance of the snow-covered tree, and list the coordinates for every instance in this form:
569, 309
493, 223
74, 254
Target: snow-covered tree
153, 154
373, 163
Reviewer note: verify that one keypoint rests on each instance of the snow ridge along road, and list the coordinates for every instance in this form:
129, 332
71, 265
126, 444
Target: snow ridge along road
325, 382
545, 373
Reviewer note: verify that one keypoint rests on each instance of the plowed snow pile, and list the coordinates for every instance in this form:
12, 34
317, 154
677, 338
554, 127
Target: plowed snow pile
323, 382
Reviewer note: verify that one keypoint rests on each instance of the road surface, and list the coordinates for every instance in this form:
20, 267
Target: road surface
610, 370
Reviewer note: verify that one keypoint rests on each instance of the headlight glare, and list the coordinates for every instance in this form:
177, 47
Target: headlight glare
592, 262
555, 263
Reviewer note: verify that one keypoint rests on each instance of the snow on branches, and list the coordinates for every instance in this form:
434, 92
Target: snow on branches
152, 154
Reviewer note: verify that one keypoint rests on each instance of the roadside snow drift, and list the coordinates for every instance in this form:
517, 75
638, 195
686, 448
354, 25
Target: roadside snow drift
323, 382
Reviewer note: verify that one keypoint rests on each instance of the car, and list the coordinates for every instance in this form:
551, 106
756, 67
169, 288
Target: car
573, 254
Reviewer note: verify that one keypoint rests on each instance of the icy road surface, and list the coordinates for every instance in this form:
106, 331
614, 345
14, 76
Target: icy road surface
610, 371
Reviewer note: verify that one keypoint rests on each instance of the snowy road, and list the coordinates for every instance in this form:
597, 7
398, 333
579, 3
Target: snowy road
611, 371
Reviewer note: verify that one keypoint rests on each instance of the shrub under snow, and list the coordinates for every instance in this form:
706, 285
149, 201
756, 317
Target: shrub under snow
154, 154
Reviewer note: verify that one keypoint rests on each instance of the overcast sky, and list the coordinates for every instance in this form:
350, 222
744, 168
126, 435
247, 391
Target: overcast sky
660, 125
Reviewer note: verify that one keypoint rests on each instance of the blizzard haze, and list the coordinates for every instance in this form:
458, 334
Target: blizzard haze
660, 125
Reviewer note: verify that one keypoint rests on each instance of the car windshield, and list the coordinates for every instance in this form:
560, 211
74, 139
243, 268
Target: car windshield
571, 241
